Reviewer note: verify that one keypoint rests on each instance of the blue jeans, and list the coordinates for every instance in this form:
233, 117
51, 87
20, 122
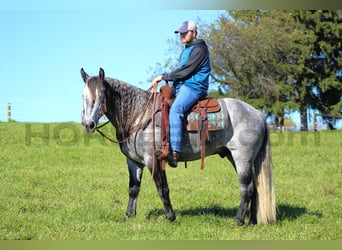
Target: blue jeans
185, 99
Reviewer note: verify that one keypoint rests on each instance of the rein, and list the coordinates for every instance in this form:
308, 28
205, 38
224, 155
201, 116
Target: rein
103, 135
153, 97
102, 112
135, 128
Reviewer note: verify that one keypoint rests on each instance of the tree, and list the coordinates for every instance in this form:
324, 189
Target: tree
252, 52
323, 68
278, 61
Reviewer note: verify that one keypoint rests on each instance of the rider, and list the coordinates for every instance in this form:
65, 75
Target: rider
190, 83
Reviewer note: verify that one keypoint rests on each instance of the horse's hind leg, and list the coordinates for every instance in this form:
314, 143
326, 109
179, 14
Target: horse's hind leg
135, 174
247, 191
163, 191
253, 216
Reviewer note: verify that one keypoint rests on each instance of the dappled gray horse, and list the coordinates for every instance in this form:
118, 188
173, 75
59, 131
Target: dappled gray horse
245, 143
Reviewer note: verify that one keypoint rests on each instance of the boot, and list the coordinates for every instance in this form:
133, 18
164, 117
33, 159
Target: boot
172, 159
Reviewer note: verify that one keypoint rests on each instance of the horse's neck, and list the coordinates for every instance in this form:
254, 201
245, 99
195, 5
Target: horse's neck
125, 104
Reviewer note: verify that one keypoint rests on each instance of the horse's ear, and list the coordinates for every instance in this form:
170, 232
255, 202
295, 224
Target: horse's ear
102, 74
84, 75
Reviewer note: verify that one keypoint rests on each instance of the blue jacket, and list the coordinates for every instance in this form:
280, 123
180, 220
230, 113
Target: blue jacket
194, 68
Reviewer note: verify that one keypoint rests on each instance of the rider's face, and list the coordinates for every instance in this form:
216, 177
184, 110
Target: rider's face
188, 37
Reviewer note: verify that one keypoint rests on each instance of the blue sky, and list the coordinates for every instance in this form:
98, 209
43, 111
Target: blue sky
42, 52
44, 44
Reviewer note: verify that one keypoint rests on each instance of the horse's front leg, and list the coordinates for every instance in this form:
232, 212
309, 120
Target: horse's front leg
163, 191
135, 174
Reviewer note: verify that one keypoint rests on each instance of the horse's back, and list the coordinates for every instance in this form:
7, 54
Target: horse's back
243, 114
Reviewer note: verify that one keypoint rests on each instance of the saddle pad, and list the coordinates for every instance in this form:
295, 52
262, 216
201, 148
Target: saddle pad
216, 121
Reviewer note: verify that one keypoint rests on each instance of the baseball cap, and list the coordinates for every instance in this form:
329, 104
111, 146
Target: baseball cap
186, 26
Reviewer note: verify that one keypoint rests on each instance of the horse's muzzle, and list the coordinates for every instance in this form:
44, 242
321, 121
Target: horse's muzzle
89, 126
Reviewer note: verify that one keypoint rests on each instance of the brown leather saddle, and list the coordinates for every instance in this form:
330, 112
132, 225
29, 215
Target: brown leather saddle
201, 123
197, 118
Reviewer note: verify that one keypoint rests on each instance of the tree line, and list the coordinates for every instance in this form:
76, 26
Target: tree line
279, 61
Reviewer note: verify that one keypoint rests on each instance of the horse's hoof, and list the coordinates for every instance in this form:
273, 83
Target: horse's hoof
239, 222
127, 217
252, 222
171, 218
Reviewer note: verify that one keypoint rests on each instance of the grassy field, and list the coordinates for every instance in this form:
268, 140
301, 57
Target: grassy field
56, 182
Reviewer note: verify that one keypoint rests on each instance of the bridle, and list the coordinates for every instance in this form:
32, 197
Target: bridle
135, 128
102, 112
152, 98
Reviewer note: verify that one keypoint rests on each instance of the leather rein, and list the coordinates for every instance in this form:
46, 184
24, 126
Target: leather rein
154, 110
135, 128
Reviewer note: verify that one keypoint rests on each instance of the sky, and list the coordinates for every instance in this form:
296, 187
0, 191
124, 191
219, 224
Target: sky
44, 44
42, 52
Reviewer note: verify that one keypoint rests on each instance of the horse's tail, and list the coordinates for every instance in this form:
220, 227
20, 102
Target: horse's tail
265, 196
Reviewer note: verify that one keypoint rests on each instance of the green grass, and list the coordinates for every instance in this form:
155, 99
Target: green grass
56, 182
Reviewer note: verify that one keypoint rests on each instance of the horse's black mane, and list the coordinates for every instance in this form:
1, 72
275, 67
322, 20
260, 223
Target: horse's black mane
128, 100
127, 91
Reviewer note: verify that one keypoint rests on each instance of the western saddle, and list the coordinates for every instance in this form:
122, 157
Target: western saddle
202, 125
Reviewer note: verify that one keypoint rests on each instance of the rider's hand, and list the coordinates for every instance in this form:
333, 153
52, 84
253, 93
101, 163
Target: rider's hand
156, 81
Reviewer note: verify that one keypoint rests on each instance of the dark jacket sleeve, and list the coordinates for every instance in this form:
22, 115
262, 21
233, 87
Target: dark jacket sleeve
197, 57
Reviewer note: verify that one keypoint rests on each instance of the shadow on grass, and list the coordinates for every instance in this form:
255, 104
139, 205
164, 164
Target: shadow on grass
210, 210
285, 212
289, 212
213, 210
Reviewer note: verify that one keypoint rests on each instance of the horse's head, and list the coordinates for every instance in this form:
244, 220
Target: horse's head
93, 100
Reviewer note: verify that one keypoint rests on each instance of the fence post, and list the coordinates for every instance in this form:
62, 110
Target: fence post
8, 112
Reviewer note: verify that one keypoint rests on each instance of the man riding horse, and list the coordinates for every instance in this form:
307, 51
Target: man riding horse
190, 83
243, 140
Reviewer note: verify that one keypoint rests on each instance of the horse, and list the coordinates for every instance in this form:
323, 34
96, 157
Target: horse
245, 143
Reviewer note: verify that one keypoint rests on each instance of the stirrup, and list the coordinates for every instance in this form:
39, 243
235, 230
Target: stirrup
172, 159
